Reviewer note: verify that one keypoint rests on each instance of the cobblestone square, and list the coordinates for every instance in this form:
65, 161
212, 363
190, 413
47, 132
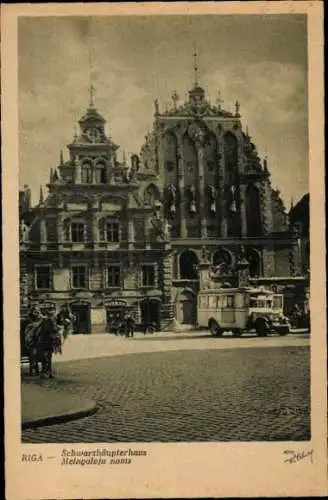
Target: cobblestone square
252, 394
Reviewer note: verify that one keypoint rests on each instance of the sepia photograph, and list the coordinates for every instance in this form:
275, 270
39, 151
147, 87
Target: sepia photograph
165, 284
164, 214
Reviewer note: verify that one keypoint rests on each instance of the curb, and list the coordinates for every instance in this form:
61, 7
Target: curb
60, 418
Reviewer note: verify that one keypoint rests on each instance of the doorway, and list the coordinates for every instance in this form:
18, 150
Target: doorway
82, 318
114, 317
150, 312
187, 308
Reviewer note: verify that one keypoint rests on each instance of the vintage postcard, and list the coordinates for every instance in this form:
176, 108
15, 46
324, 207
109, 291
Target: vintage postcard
164, 250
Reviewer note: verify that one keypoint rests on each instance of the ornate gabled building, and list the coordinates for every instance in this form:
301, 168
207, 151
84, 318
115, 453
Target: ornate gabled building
97, 241
217, 196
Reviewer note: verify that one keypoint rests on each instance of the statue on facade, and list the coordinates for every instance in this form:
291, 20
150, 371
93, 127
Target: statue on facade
212, 198
192, 199
23, 232
172, 192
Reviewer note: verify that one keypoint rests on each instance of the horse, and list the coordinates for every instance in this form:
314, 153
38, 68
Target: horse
42, 339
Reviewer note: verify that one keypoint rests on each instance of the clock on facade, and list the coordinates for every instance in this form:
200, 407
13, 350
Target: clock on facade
93, 134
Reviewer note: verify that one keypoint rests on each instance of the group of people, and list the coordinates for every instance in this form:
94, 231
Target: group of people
44, 334
121, 326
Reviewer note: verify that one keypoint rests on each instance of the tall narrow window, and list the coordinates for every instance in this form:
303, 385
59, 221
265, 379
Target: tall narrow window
77, 231
148, 275
113, 232
113, 276
43, 277
253, 211
86, 173
79, 277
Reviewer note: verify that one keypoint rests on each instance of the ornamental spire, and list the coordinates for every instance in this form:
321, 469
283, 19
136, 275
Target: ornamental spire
92, 95
41, 195
195, 67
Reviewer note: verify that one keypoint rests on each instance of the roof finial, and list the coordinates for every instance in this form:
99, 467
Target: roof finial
195, 67
51, 175
291, 203
124, 157
91, 87
61, 157
92, 92
175, 98
41, 195
219, 101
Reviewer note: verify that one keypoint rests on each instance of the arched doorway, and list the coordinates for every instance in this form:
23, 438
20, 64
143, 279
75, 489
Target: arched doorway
187, 307
254, 260
188, 262
150, 312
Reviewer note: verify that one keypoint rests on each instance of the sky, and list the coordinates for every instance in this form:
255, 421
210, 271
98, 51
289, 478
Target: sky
259, 60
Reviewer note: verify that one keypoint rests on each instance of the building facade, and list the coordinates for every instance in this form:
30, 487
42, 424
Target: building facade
148, 234
218, 197
97, 241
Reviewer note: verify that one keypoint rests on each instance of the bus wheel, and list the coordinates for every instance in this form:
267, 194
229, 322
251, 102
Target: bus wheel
150, 329
260, 327
237, 333
215, 329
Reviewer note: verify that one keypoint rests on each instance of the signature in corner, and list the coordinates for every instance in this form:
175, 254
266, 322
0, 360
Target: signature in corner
296, 456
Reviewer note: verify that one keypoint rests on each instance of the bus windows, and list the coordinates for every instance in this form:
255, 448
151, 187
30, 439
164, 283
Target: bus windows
203, 302
212, 302
227, 301
230, 301
277, 302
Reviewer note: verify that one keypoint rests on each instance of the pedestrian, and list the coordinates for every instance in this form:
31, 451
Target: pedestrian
130, 325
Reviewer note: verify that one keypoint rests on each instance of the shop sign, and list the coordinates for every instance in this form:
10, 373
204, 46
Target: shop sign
115, 303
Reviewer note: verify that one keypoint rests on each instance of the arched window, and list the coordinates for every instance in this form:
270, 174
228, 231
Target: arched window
222, 257
253, 211
254, 259
188, 265
100, 173
151, 195
86, 173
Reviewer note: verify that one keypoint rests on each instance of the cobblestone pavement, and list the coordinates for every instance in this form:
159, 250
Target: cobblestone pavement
254, 394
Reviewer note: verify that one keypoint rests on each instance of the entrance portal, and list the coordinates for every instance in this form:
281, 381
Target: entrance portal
187, 308
150, 312
82, 321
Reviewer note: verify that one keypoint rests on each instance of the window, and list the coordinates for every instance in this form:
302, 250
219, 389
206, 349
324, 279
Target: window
43, 277
86, 173
227, 301
113, 276
112, 232
148, 275
212, 302
277, 302
79, 277
203, 302
77, 232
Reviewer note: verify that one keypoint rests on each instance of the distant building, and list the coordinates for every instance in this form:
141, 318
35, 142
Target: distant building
299, 216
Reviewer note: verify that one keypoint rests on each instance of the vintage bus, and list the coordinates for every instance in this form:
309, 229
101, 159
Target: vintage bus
241, 310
